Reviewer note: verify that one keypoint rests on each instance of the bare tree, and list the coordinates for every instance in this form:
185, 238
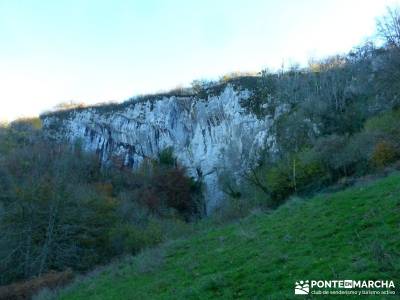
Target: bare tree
389, 27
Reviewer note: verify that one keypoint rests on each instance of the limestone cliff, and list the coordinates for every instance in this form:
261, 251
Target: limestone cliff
208, 135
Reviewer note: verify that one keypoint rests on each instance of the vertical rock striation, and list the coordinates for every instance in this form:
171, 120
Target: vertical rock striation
207, 135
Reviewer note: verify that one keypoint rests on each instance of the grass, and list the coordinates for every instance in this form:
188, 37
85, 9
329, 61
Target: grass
352, 234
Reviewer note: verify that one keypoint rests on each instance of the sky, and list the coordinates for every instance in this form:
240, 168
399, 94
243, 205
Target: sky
96, 51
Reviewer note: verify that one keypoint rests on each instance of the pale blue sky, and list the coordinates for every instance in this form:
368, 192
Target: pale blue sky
94, 51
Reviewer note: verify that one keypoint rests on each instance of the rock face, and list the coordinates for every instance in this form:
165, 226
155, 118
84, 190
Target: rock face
207, 135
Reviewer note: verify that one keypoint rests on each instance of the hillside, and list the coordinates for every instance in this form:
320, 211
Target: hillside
351, 234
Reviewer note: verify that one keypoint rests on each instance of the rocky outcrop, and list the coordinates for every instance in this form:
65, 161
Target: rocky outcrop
207, 135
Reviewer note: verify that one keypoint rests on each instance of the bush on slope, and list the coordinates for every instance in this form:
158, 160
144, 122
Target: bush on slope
352, 234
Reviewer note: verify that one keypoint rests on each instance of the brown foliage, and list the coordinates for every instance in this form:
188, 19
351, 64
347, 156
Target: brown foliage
26, 289
169, 187
174, 185
384, 154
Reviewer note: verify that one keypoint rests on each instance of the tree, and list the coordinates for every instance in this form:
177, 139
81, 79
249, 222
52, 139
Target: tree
389, 27
52, 217
388, 74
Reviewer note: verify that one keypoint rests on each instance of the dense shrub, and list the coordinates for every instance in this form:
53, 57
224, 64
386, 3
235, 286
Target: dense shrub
161, 185
175, 189
294, 131
53, 217
384, 154
329, 159
300, 173
386, 124
280, 184
358, 152
128, 238
166, 157
59, 208
27, 289
329, 150
309, 172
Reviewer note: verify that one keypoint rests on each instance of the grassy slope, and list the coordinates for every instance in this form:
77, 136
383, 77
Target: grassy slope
353, 234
